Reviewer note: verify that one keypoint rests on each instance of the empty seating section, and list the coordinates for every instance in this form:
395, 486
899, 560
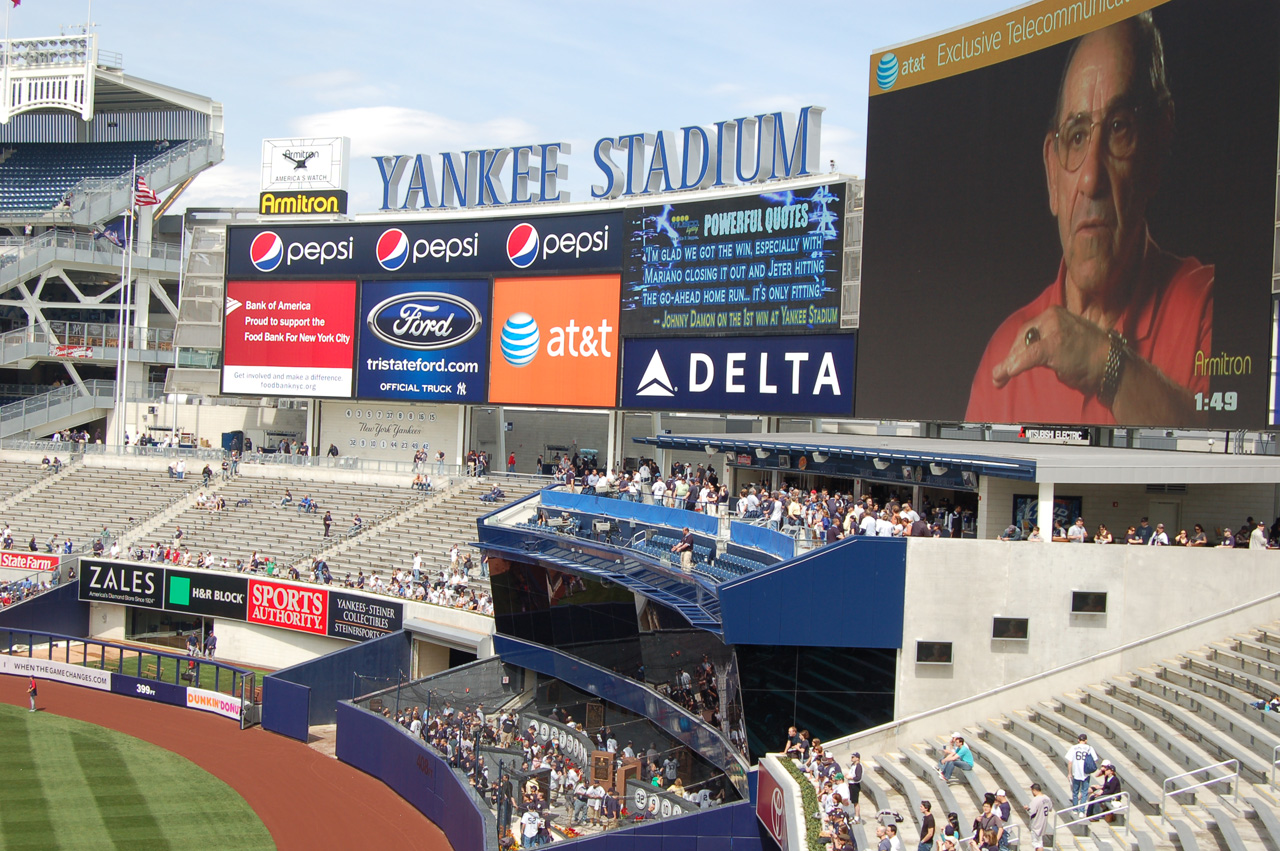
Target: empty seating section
17, 476
254, 519
1200, 709
85, 499
39, 176
431, 531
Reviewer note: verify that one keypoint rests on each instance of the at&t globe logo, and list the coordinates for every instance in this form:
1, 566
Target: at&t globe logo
520, 339
887, 71
393, 249
266, 251
522, 245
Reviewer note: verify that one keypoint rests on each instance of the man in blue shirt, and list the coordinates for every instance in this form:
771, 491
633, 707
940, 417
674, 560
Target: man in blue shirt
956, 756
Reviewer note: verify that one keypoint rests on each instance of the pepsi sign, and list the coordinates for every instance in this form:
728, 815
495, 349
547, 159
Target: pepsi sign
423, 341
805, 375
424, 320
538, 245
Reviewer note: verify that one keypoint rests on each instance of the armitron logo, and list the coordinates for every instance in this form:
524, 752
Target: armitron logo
302, 203
424, 321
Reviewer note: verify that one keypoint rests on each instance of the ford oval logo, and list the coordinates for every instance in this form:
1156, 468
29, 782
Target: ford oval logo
424, 321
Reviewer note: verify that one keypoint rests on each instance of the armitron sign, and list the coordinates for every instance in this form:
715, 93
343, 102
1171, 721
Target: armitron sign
301, 203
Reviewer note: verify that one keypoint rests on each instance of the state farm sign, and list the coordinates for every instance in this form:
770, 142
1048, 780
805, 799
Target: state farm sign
288, 607
27, 561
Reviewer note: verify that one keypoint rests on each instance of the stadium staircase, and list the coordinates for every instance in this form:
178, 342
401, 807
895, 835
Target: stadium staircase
1157, 724
28, 258
65, 407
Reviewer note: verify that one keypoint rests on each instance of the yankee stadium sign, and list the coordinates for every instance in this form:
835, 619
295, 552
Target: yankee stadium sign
745, 150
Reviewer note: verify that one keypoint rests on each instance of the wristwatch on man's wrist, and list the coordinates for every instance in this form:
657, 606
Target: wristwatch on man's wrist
1117, 355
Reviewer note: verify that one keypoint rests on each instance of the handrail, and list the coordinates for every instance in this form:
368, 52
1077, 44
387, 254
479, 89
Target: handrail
1275, 763
1123, 808
77, 241
1165, 792
91, 185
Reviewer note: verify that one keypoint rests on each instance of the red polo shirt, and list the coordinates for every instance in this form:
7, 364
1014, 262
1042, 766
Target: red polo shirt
1168, 321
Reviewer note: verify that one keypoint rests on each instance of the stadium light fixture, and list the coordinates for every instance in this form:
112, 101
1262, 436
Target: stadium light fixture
820, 457
938, 469
709, 449
880, 463
762, 453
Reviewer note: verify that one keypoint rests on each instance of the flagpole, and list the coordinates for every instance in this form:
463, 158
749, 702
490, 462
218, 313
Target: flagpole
133, 193
120, 344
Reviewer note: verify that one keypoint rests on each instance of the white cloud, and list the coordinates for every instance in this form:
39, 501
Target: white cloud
341, 86
224, 185
378, 130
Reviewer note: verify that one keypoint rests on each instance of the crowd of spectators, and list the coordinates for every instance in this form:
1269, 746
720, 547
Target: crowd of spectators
17, 590
1254, 535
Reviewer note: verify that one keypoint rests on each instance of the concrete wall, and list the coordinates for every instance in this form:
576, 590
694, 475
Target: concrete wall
1120, 506
429, 658
208, 422
954, 588
533, 431
107, 621
389, 431
268, 647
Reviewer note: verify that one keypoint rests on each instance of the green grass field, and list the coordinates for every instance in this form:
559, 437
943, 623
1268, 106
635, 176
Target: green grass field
69, 784
165, 672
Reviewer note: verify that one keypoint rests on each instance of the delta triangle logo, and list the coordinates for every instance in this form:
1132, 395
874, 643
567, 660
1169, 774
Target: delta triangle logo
655, 382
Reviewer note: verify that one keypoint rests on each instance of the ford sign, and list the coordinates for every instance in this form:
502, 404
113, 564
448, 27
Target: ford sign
424, 320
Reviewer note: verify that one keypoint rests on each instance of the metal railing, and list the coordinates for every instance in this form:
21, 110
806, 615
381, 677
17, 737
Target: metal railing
91, 186
108, 253
105, 334
1123, 807
1166, 792
1275, 763
100, 391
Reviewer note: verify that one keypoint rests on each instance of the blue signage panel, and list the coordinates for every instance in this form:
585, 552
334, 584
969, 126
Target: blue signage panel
753, 264
775, 375
512, 246
149, 689
423, 341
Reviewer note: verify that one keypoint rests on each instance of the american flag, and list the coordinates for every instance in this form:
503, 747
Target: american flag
142, 194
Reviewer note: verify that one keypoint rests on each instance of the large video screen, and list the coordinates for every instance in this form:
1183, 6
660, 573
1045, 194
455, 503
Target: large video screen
755, 264
1069, 218
294, 338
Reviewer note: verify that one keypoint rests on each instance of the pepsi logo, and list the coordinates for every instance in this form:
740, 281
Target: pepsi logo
266, 251
522, 245
393, 249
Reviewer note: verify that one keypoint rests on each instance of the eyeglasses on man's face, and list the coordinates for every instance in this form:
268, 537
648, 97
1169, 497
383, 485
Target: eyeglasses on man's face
1119, 126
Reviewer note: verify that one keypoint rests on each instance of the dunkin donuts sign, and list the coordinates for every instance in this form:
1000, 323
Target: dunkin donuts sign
288, 607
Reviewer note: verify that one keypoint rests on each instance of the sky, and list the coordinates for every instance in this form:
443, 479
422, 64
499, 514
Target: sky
426, 77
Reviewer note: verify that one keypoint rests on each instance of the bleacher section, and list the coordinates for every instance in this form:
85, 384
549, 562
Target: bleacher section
254, 520
445, 521
85, 499
16, 476
1194, 711
39, 176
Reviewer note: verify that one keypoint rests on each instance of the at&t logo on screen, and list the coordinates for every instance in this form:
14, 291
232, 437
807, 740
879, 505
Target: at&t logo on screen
520, 339
558, 341
887, 71
524, 244
268, 250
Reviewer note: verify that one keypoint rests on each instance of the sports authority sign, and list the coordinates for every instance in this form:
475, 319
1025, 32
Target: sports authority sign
779, 806
288, 607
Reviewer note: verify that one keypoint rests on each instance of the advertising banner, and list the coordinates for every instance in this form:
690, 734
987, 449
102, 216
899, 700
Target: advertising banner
289, 339
47, 669
215, 595
772, 807
756, 264
213, 701
58, 350
288, 606
27, 561
149, 689
423, 340
358, 618
557, 343
796, 375
509, 246
123, 583
1073, 218
305, 164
